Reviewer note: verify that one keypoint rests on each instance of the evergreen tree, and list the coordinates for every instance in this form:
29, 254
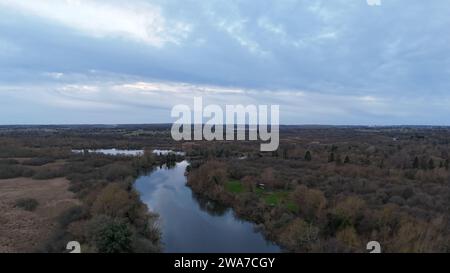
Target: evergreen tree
381, 165
416, 163
331, 157
346, 160
308, 156
338, 160
431, 164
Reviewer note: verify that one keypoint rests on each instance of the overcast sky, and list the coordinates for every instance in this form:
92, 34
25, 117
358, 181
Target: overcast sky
323, 62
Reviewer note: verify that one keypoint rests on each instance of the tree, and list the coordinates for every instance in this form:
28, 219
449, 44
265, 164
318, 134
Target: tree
308, 156
414, 235
249, 183
381, 165
331, 157
110, 235
423, 162
346, 160
269, 180
117, 172
350, 209
338, 160
112, 201
334, 148
349, 238
431, 164
300, 235
209, 178
311, 202
416, 163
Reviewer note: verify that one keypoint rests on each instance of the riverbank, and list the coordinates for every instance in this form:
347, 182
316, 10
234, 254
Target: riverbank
246, 205
301, 217
191, 224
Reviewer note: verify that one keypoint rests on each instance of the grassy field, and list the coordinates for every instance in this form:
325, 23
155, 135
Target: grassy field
22, 230
234, 186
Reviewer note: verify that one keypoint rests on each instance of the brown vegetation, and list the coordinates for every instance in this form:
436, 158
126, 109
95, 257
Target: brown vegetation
105, 213
326, 189
335, 189
22, 229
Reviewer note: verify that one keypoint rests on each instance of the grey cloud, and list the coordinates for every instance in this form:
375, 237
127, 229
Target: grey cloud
335, 51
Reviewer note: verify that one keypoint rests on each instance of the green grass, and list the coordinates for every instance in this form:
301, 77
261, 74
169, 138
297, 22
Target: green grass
259, 192
278, 198
234, 186
291, 206
275, 198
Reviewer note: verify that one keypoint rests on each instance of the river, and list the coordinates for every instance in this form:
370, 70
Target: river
190, 224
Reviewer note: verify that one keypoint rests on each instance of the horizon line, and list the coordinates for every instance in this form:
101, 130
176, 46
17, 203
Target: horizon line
167, 123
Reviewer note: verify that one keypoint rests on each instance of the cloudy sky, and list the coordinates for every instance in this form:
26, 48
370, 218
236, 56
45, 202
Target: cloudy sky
323, 62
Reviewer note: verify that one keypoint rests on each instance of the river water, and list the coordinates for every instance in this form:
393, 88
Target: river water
190, 224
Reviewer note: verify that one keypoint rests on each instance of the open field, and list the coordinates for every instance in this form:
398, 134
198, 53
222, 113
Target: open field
24, 231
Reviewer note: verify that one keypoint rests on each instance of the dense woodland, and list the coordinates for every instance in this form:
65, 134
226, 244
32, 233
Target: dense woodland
326, 189
335, 189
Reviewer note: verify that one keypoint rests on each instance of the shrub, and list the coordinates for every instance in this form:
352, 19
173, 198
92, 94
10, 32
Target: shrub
55, 243
347, 213
414, 235
116, 171
16, 151
299, 235
349, 240
310, 202
143, 245
71, 215
112, 201
351, 208
110, 235
269, 179
398, 200
28, 204
249, 183
13, 171
8, 162
47, 173
38, 161
209, 178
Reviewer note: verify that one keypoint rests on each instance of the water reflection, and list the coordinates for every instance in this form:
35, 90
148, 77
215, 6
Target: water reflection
190, 223
124, 152
212, 207
110, 152
167, 152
